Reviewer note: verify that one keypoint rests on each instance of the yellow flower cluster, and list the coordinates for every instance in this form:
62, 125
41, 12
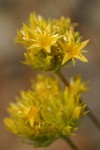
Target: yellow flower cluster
47, 111
50, 43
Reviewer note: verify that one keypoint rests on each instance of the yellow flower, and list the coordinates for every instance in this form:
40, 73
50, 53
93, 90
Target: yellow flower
46, 111
72, 49
44, 39
37, 34
62, 25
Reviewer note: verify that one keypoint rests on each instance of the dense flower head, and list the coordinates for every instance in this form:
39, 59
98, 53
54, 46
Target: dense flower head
50, 43
47, 111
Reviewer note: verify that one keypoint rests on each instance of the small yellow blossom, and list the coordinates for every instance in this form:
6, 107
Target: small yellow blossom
46, 111
62, 25
72, 49
44, 40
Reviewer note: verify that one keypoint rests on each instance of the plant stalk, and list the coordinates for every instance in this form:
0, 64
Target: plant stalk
69, 141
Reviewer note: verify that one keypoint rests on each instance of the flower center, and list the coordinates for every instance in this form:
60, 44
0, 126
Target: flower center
45, 40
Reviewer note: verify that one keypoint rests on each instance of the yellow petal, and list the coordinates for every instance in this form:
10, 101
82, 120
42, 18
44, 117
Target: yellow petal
31, 121
48, 49
48, 28
83, 44
34, 46
81, 57
61, 44
70, 36
66, 58
77, 112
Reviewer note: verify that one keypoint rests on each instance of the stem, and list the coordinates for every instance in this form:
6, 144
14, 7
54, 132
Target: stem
93, 118
74, 147
90, 114
62, 77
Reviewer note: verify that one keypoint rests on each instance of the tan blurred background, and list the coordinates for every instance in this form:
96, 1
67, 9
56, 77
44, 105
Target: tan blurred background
14, 76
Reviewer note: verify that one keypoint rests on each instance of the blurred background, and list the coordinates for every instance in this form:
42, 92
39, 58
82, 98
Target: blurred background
14, 76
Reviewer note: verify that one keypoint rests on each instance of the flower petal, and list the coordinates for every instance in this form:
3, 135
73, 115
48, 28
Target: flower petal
83, 44
81, 57
66, 58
